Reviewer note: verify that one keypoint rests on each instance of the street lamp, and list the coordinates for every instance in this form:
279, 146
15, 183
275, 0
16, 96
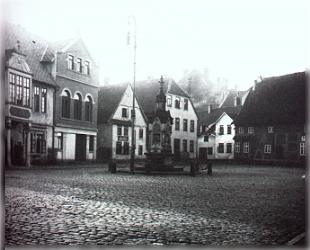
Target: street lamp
133, 113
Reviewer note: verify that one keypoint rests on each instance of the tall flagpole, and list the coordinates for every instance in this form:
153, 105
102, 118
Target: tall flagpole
133, 114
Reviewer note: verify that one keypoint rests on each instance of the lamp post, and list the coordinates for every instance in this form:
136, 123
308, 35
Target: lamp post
133, 113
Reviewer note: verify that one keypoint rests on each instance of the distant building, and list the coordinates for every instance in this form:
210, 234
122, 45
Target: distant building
234, 98
29, 90
114, 124
179, 104
76, 75
216, 133
272, 124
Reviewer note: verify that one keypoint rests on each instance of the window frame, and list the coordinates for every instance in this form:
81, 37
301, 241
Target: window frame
270, 129
250, 130
229, 129
237, 147
229, 147
71, 64
246, 147
43, 99
192, 126
177, 102
302, 147
267, 149
124, 110
184, 145
177, 124
169, 101
221, 147
185, 125
221, 130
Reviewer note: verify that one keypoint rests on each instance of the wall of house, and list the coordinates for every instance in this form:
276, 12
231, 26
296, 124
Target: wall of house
183, 114
104, 142
204, 145
224, 138
285, 143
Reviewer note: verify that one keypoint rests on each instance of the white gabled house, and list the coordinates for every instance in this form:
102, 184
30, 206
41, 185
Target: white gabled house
114, 124
216, 133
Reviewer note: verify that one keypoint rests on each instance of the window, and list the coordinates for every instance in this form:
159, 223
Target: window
43, 100
12, 78
26, 91
192, 126
78, 107
220, 148
221, 129
177, 123
38, 143
184, 124
125, 131
59, 141
270, 130
177, 103
302, 149
79, 65
91, 143
66, 99
184, 145
36, 99
124, 112
251, 130
140, 150
206, 138
141, 133
241, 130
71, 62
185, 104
118, 148
228, 147
229, 129
191, 146
210, 151
267, 148
169, 100
19, 90
87, 68
89, 109
126, 148
237, 147
246, 147
119, 130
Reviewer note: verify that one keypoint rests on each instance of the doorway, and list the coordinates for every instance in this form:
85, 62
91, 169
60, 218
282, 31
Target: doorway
177, 150
80, 147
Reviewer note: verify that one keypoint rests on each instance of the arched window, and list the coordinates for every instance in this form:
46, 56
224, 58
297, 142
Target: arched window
78, 107
89, 109
66, 101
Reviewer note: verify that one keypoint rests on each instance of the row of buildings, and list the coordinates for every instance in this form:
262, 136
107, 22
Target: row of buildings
55, 109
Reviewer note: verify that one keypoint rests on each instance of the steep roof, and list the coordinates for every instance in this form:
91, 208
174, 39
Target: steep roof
146, 92
276, 100
109, 98
229, 100
206, 118
35, 49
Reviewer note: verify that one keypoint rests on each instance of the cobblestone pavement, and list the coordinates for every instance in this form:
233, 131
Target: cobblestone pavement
238, 205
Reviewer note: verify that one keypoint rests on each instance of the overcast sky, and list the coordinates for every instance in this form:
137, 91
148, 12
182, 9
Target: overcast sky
234, 39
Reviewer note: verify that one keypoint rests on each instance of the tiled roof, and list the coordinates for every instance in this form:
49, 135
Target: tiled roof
276, 100
33, 47
206, 118
108, 99
230, 98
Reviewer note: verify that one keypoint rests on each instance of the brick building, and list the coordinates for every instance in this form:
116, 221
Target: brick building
272, 124
76, 75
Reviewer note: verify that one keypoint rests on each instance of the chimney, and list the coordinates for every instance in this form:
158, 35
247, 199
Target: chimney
209, 108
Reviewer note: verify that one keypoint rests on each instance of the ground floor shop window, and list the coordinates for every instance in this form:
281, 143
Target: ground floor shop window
122, 148
38, 142
118, 148
191, 146
91, 143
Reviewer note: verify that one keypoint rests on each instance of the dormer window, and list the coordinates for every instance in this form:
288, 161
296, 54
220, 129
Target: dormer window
87, 67
79, 65
71, 62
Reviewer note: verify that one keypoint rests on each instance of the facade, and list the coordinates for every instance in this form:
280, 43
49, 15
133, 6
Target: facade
29, 89
272, 124
76, 100
179, 104
216, 133
115, 126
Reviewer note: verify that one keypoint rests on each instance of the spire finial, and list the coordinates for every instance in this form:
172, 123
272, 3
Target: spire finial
161, 84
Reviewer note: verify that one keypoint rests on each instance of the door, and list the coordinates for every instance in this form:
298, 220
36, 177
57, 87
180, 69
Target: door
203, 154
80, 147
177, 148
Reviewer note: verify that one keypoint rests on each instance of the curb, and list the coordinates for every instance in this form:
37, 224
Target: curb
296, 239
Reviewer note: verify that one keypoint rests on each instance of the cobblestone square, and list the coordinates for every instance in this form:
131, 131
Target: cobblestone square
87, 205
